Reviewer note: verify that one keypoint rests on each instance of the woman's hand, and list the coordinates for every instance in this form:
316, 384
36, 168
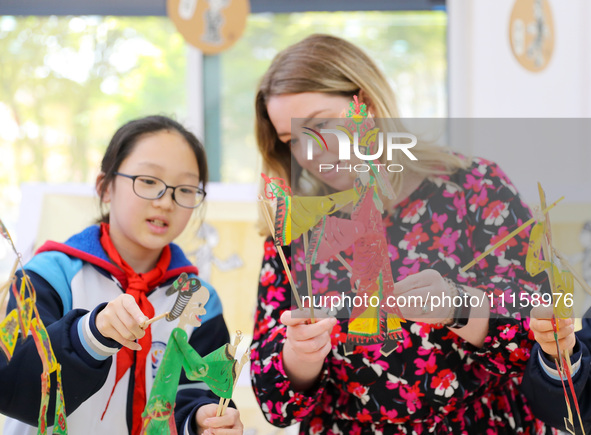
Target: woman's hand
439, 301
429, 298
306, 347
120, 320
209, 424
540, 323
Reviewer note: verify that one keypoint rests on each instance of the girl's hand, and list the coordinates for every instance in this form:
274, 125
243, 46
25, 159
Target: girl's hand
429, 298
541, 324
209, 424
120, 320
306, 347
309, 341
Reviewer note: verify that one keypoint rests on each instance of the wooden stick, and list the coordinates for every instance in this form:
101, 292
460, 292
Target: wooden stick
232, 350
571, 269
234, 346
239, 367
153, 319
4, 290
14, 266
507, 238
6, 286
225, 404
281, 255
576, 403
344, 263
218, 413
309, 278
566, 357
549, 253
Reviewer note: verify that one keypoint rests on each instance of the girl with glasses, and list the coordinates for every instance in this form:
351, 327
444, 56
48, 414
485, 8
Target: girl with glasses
96, 289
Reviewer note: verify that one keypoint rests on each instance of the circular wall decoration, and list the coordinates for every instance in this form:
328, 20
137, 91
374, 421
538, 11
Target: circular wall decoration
531, 33
210, 25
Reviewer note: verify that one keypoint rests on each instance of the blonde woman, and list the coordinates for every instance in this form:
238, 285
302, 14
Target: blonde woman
456, 369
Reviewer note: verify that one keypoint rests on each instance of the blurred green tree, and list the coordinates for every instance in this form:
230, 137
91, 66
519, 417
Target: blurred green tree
409, 47
66, 83
69, 82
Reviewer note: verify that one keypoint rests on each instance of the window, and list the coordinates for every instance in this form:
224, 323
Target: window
410, 47
68, 83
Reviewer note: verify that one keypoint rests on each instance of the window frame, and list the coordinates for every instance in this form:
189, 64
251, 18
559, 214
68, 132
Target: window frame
206, 123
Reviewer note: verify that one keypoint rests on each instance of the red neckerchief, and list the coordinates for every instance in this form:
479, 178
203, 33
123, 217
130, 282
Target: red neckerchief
136, 285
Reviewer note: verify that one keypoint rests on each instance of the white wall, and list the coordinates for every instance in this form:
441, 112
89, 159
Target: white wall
486, 81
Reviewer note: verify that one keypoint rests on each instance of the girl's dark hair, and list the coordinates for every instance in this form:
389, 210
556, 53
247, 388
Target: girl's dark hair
125, 139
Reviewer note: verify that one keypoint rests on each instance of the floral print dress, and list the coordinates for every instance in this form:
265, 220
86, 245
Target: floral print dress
434, 382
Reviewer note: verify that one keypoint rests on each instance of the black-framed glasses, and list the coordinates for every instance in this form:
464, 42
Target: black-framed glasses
148, 187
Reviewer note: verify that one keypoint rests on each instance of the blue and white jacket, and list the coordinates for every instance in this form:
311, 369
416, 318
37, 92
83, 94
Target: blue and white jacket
73, 282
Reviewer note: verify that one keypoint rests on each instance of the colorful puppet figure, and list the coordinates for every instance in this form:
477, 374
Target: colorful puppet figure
25, 319
562, 285
543, 256
371, 271
216, 369
372, 277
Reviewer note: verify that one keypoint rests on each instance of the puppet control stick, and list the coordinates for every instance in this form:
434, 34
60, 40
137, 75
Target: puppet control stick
185, 288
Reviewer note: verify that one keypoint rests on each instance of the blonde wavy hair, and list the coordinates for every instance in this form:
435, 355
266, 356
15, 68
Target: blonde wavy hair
331, 65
